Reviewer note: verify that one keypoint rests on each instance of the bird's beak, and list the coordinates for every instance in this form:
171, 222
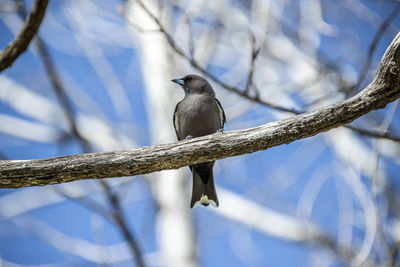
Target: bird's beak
178, 81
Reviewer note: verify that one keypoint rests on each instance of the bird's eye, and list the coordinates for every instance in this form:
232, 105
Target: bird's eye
188, 79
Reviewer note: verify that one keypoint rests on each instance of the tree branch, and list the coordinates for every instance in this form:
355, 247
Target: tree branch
243, 92
24, 37
371, 50
384, 89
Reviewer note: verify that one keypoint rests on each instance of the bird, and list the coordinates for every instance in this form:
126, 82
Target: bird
199, 113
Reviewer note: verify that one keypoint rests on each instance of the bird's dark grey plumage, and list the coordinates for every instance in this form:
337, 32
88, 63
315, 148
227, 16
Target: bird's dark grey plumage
199, 113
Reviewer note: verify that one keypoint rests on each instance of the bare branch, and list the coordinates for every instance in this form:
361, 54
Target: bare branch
384, 89
192, 47
372, 47
254, 53
24, 37
244, 92
376, 134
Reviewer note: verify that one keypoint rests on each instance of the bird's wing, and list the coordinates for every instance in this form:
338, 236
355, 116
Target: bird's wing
221, 113
176, 121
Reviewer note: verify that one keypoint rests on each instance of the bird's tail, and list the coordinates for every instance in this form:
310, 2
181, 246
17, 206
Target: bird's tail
203, 187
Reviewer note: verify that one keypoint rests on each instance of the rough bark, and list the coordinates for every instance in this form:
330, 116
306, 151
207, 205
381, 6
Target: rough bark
24, 37
384, 89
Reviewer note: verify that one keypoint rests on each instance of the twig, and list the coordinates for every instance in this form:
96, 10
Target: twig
254, 53
24, 37
196, 65
241, 92
192, 47
371, 50
376, 134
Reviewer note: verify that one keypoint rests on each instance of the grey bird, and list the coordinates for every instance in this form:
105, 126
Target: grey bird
199, 113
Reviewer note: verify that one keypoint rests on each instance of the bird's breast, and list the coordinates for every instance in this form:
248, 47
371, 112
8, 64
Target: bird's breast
199, 116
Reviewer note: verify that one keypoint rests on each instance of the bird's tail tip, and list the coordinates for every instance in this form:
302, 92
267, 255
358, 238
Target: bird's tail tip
205, 200
203, 188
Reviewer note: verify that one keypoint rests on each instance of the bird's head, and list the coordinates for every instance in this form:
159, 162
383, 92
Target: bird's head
194, 84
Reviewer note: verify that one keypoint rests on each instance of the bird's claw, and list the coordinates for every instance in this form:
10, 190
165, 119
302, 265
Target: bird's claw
220, 130
189, 137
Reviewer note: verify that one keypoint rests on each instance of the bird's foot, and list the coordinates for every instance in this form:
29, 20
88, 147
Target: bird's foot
220, 130
189, 137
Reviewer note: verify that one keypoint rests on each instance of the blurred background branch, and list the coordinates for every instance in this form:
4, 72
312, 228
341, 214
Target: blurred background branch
245, 92
328, 200
67, 108
24, 37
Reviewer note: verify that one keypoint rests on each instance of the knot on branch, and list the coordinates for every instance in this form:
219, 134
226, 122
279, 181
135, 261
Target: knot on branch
394, 69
